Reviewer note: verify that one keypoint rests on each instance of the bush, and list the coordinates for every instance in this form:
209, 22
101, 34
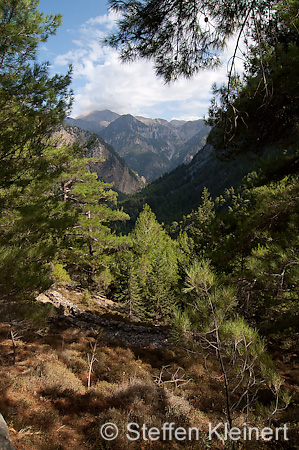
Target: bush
58, 380
60, 275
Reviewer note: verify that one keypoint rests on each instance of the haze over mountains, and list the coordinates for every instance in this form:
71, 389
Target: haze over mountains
151, 147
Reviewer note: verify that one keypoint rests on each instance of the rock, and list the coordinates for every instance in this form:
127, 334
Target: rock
3, 427
129, 333
5, 443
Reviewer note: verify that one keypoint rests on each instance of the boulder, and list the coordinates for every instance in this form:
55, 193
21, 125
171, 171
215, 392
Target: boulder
5, 443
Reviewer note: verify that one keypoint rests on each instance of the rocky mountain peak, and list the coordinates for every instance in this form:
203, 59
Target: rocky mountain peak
150, 147
99, 116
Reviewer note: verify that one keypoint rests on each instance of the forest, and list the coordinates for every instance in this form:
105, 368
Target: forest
221, 280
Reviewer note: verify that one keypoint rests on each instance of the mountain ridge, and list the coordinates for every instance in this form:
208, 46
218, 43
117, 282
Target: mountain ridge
151, 147
113, 169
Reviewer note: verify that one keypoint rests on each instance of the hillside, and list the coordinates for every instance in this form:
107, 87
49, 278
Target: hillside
178, 192
150, 147
51, 400
113, 169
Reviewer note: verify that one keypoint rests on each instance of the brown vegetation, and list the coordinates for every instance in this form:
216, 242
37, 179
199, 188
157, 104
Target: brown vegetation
48, 406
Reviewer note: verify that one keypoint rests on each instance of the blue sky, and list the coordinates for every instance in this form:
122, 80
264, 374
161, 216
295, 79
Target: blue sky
74, 15
101, 81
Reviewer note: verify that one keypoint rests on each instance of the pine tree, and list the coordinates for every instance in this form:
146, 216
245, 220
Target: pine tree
150, 269
90, 244
49, 200
271, 266
33, 221
31, 106
260, 108
31, 102
255, 244
184, 37
199, 226
209, 324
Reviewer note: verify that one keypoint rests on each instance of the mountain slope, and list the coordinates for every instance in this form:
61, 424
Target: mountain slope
178, 192
150, 147
113, 169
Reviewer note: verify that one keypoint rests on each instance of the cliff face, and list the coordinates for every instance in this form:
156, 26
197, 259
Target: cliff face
113, 169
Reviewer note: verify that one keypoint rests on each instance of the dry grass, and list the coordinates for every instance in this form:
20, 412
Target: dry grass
46, 402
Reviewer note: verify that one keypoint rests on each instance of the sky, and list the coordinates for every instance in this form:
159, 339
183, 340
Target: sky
101, 81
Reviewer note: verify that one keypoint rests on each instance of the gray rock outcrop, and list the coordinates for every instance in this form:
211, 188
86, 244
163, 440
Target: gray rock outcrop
137, 334
5, 443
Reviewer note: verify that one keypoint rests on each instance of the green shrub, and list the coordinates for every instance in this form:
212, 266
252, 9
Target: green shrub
60, 275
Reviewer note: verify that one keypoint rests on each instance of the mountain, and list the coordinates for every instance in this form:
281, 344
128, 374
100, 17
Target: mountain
150, 147
178, 192
94, 121
113, 169
105, 116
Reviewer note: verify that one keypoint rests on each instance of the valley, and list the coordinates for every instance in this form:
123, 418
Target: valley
149, 268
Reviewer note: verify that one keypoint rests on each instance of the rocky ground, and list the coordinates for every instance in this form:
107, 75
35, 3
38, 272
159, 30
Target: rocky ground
104, 315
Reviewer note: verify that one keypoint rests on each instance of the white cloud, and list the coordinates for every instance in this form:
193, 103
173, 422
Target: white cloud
101, 81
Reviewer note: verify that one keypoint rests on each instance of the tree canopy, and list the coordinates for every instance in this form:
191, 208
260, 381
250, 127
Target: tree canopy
31, 102
51, 205
182, 37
